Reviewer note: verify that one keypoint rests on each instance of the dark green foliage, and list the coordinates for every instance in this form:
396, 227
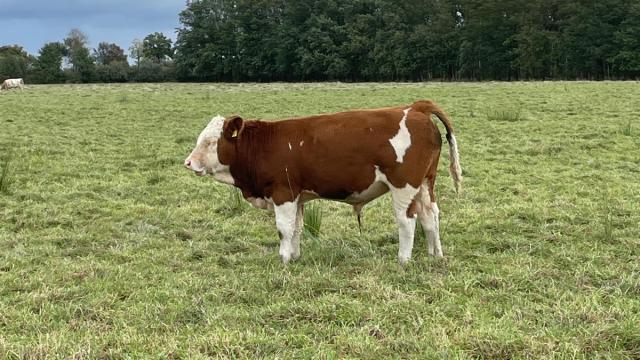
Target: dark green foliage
107, 53
48, 66
14, 62
362, 40
149, 71
374, 40
83, 67
157, 47
106, 63
117, 71
627, 40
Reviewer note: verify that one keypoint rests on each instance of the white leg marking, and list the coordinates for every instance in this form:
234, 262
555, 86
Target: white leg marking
402, 198
402, 140
290, 146
286, 224
429, 216
436, 230
406, 231
295, 242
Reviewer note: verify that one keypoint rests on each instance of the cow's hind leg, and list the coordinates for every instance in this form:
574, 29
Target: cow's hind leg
429, 217
404, 208
286, 221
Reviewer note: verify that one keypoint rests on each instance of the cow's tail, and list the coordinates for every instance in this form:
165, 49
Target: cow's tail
429, 107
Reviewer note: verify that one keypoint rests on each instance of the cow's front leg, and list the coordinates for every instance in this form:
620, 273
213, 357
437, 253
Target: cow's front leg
286, 220
295, 254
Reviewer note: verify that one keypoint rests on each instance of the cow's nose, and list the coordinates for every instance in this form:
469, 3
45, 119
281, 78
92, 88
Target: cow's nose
187, 163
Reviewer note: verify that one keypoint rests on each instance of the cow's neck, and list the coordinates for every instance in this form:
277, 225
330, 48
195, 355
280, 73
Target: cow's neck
252, 149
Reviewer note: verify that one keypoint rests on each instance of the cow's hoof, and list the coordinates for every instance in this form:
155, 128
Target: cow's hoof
295, 256
437, 254
285, 258
403, 260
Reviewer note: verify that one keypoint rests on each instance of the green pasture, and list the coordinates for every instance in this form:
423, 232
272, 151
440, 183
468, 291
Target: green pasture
110, 249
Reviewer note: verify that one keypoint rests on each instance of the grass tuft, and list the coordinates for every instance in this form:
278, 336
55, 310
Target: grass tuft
155, 179
420, 235
235, 201
607, 226
505, 115
6, 177
626, 129
312, 220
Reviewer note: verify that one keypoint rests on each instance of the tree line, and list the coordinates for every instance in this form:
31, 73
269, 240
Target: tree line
382, 40
367, 40
71, 61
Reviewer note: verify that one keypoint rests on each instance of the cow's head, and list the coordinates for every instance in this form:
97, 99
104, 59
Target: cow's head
215, 148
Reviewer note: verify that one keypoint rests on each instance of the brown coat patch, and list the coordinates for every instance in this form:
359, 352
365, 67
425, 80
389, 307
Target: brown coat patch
332, 155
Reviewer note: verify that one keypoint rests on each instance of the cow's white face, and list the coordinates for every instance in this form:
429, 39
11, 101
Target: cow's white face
203, 159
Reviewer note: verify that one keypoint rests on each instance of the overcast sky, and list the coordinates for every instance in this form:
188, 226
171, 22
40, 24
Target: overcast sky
32, 23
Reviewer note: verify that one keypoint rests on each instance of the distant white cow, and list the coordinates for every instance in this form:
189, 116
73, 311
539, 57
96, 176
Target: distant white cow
12, 84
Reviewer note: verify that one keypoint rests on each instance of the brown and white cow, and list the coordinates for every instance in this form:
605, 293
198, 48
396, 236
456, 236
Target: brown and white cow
12, 83
353, 157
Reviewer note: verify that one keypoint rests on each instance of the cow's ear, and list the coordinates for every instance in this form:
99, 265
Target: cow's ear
233, 127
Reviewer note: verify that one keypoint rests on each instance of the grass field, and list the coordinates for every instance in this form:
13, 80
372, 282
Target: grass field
109, 248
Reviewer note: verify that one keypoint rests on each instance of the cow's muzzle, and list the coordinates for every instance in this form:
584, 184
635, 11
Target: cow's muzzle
188, 165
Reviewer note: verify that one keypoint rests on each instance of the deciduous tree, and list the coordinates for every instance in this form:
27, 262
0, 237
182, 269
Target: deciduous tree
83, 67
107, 53
157, 47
